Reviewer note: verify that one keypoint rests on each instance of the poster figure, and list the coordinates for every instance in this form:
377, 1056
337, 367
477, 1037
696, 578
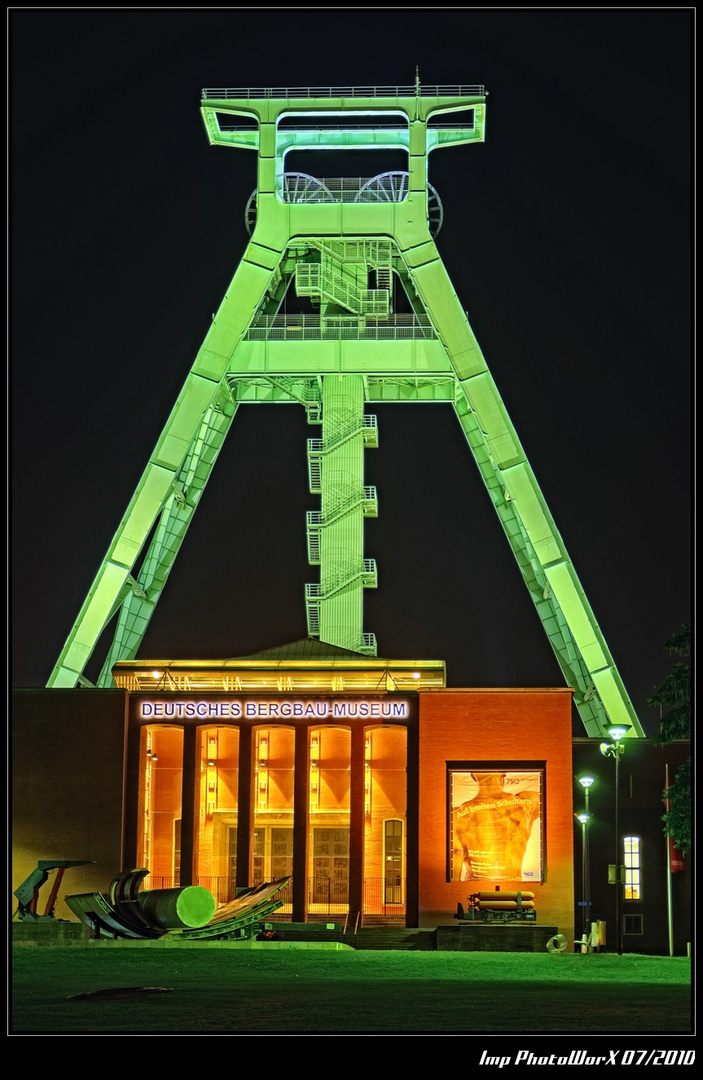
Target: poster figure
496, 826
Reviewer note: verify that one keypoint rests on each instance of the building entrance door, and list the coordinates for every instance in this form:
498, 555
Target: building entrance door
330, 866
273, 853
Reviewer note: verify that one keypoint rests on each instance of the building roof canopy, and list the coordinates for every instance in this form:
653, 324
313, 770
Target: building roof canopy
308, 665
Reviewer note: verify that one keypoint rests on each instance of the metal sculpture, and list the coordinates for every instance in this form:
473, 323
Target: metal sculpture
127, 911
28, 892
501, 907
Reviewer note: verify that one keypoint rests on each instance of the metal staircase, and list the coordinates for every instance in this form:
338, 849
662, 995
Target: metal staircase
341, 277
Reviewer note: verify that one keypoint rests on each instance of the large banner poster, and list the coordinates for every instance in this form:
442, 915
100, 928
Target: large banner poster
495, 831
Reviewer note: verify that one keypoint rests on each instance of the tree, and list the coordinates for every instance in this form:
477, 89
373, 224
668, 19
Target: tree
673, 699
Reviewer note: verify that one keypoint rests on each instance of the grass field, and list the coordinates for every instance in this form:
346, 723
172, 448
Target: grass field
212, 990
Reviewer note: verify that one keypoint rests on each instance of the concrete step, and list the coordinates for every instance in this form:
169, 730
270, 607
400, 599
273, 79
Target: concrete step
399, 937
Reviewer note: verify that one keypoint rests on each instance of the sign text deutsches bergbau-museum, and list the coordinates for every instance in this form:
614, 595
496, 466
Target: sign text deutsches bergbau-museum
275, 709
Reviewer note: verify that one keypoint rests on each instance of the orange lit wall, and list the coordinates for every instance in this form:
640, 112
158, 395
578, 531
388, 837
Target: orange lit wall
216, 803
495, 726
385, 792
162, 763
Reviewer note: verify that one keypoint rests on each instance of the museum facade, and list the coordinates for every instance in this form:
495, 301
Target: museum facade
383, 795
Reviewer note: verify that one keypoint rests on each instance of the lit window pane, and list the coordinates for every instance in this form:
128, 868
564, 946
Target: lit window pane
633, 868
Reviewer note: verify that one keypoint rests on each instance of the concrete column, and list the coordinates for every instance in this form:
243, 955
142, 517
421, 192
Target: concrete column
189, 824
301, 811
245, 802
356, 822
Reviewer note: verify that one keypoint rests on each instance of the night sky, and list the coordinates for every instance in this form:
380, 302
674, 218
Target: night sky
566, 236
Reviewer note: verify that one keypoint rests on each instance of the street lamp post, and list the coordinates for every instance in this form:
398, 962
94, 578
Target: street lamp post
584, 818
614, 749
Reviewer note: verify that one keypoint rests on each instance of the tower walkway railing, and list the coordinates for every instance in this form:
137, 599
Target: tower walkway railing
282, 92
341, 327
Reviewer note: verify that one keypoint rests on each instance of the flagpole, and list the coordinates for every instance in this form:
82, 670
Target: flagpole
669, 905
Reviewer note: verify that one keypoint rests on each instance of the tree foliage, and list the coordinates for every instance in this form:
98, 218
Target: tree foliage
673, 696
673, 699
677, 819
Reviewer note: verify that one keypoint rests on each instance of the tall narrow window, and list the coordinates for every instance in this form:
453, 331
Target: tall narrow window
274, 772
393, 857
632, 856
330, 797
217, 811
385, 803
161, 779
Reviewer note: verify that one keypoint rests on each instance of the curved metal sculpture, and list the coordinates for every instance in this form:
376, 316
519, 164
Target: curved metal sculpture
126, 911
557, 944
28, 892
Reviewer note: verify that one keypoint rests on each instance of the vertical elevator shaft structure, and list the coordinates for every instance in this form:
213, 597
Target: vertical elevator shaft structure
336, 531
377, 320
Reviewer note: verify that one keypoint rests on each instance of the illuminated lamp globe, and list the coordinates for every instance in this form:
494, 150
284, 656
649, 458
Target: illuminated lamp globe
617, 731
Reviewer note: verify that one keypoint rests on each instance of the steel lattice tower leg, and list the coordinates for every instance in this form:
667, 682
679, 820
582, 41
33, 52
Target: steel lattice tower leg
343, 245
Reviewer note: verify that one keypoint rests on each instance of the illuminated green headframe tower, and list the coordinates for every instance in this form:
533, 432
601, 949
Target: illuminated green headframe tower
351, 246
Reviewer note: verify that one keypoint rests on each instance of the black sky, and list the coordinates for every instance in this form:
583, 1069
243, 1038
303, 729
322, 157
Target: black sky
567, 238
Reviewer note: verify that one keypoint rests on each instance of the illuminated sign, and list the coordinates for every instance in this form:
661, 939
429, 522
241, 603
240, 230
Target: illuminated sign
495, 831
274, 709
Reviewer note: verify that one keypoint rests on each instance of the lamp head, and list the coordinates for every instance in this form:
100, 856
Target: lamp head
583, 817
586, 781
617, 731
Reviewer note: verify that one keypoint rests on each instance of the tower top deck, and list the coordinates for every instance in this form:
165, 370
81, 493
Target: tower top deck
337, 93
334, 117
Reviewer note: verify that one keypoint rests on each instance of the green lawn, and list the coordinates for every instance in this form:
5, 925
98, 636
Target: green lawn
279, 990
